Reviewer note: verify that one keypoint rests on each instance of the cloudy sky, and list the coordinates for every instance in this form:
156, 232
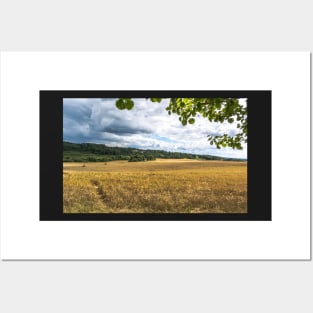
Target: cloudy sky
146, 126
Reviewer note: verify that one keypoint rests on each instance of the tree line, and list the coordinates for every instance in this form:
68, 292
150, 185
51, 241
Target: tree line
91, 152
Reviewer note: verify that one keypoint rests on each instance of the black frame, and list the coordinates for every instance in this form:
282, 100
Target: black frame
259, 156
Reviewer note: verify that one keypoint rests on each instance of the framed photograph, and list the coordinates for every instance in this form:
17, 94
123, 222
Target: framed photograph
155, 156
169, 155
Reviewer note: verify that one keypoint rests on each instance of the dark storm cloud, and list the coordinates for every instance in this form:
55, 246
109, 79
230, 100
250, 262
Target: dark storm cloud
98, 120
126, 130
76, 111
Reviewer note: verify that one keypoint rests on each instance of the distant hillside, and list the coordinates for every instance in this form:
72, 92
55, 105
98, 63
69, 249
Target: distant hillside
91, 152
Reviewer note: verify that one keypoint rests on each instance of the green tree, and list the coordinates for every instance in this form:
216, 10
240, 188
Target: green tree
214, 109
137, 158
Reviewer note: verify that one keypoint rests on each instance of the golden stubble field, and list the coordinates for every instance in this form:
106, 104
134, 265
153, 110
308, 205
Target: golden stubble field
161, 186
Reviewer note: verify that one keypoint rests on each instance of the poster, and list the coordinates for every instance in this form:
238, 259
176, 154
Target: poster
32, 81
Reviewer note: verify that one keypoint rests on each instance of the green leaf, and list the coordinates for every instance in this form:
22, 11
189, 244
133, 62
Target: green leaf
129, 104
191, 121
124, 103
120, 104
156, 99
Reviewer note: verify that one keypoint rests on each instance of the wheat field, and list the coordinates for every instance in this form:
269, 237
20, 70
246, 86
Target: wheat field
160, 186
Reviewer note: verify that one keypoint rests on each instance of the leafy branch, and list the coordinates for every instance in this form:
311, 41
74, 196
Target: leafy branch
218, 110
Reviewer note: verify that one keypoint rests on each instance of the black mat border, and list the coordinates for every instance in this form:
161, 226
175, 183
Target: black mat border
51, 155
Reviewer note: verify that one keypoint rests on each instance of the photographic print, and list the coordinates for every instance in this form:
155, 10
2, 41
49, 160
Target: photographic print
155, 155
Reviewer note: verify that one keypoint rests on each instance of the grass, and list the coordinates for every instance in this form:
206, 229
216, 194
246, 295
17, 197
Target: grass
161, 186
